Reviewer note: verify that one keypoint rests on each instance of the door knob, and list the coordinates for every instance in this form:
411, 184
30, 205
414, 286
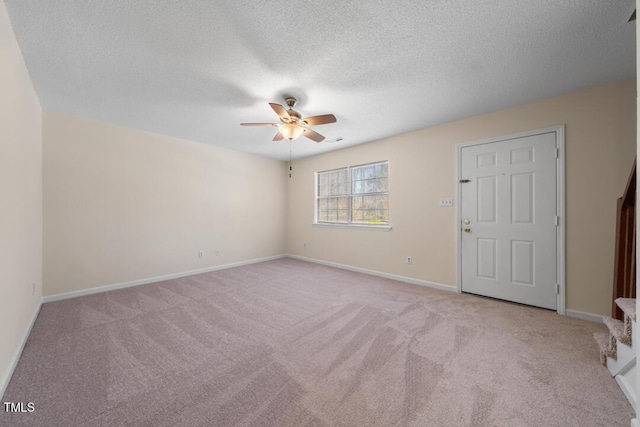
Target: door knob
467, 230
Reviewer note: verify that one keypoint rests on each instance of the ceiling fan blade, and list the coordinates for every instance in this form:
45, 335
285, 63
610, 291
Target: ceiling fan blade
279, 137
259, 124
280, 110
313, 135
320, 120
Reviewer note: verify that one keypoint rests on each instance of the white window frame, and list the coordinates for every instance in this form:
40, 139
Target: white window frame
382, 227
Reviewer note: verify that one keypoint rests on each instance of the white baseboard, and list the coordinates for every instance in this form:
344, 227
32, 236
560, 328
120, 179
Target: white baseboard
96, 290
4, 382
635, 423
627, 389
571, 313
399, 278
585, 316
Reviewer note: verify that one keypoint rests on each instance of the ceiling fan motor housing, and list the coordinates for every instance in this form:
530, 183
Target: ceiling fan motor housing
294, 116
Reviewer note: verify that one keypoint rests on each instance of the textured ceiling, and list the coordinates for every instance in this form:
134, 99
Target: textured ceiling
195, 69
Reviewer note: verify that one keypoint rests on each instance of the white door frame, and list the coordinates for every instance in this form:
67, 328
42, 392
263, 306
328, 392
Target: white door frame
560, 203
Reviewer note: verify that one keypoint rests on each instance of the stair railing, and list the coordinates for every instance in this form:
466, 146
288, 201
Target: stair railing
624, 272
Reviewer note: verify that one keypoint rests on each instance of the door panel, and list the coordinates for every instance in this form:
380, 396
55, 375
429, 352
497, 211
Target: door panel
522, 200
487, 257
522, 262
487, 199
509, 248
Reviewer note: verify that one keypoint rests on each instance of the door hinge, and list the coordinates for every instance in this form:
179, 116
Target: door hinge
557, 288
557, 220
557, 153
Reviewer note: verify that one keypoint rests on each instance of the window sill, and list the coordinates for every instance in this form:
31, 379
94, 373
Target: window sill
355, 226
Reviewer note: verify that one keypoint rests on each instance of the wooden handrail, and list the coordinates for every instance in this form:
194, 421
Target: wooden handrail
624, 271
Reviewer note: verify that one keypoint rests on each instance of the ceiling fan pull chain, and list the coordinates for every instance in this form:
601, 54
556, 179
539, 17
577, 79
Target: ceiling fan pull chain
290, 168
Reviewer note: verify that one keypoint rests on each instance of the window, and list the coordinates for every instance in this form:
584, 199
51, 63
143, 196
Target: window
355, 195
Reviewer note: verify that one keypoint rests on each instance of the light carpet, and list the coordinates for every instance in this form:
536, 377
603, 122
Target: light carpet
290, 343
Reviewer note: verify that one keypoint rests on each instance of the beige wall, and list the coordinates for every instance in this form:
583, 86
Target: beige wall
21, 199
122, 205
600, 147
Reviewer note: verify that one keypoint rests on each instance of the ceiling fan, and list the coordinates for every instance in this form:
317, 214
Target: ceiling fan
293, 125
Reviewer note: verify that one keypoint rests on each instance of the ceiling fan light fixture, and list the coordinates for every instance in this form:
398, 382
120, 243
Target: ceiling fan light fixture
291, 131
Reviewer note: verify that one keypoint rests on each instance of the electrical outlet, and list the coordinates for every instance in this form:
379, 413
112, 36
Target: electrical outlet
217, 252
304, 245
446, 202
200, 254
409, 260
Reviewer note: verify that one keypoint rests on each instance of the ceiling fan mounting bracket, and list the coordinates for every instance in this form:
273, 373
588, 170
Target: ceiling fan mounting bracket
290, 101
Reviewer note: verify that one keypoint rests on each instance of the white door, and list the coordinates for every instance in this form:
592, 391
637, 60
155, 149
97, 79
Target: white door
508, 219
